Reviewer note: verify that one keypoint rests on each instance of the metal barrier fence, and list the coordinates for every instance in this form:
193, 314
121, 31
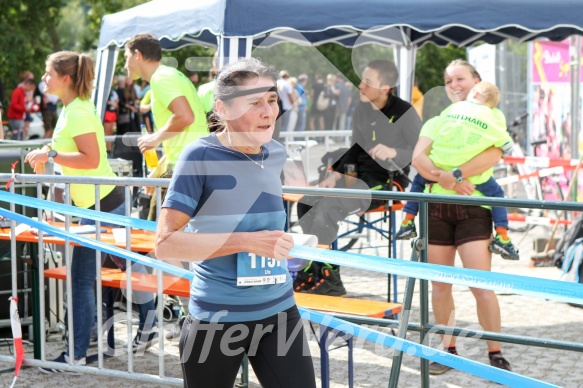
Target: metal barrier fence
520, 285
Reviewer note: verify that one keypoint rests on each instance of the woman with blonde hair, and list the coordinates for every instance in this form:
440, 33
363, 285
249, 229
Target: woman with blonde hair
78, 146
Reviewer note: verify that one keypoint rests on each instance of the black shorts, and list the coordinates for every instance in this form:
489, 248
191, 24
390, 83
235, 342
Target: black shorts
451, 224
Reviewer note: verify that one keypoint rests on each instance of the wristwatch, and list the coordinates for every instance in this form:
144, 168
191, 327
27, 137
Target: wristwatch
457, 174
52, 154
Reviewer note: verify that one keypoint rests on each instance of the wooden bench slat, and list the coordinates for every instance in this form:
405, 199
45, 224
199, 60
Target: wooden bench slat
113, 277
173, 285
351, 306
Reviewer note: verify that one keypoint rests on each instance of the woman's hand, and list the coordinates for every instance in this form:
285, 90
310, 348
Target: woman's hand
445, 179
275, 244
449, 182
382, 152
464, 188
37, 159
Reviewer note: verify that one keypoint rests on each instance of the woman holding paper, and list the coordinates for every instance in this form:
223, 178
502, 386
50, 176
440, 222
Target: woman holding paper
223, 211
78, 146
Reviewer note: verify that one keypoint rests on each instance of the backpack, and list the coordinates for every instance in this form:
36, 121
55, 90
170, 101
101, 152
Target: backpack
573, 232
323, 101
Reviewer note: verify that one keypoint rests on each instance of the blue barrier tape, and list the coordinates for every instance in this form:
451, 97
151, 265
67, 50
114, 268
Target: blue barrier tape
107, 248
464, 364
23, 200
540, 288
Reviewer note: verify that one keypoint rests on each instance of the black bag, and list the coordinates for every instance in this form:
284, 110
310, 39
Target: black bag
572, 233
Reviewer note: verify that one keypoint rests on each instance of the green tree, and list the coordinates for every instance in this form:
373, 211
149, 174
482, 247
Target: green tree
431, 62
29, 35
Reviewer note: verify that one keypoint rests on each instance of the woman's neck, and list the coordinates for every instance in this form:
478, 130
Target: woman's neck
230, 139
68, 97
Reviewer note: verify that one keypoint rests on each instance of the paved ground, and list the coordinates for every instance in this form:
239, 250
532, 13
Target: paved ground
521, 315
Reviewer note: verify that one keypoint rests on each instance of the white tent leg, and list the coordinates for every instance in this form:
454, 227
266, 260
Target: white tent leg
405, 61
104, 71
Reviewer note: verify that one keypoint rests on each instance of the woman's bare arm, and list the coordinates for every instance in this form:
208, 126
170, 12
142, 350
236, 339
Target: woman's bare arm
172, 243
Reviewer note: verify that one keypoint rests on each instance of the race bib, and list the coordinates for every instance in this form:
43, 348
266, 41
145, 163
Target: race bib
255, 270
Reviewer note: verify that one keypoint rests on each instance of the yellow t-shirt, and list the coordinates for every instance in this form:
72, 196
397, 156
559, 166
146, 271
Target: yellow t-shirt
461, 132
168, 84
79, 118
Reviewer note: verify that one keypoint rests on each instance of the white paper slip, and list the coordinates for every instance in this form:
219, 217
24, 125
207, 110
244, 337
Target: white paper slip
19, 229
78, 229
306, 240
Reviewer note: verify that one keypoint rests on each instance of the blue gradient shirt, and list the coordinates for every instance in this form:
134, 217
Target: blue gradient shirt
223, 192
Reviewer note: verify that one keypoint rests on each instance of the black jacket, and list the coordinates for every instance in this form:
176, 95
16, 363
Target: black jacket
397, 125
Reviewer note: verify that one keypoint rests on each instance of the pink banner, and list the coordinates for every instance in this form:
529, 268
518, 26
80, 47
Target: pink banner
550, 62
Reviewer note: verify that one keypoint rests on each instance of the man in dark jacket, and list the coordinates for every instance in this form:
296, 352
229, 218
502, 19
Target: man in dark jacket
385, 131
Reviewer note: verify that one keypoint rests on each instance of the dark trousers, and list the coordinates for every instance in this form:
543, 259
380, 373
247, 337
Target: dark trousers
277, 348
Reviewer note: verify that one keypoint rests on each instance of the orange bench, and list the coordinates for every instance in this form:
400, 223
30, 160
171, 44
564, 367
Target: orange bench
173, 285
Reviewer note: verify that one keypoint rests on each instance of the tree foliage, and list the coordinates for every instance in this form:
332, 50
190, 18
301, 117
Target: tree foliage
28, 36
39, 27
431, 63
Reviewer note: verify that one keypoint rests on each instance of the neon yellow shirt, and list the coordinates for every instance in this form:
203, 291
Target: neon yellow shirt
147, 97
167, 84
79, 118
461, 132
206, 93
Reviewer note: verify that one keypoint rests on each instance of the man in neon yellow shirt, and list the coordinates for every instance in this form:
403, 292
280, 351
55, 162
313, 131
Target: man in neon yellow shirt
460, 132
178, 113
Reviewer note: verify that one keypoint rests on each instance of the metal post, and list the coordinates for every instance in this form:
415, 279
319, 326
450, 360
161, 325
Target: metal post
417, 245
575, 51
423, 292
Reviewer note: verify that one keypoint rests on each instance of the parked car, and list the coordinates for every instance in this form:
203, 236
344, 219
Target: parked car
36, 129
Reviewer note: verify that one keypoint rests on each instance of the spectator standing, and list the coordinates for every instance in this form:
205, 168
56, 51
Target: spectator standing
78, 146
303, 103
48, 109
177, 111
293, 112
286, 97
464, 229
110, 117
317, 115
19, 107
127, 123
344, 98
331, 93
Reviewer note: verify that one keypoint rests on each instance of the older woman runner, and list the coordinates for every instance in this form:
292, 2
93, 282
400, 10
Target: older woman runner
224, 212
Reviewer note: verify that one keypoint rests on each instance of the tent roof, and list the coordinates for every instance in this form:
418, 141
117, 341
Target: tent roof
461, 22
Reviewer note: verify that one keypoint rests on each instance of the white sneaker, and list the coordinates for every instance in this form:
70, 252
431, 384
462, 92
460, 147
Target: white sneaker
64, 358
